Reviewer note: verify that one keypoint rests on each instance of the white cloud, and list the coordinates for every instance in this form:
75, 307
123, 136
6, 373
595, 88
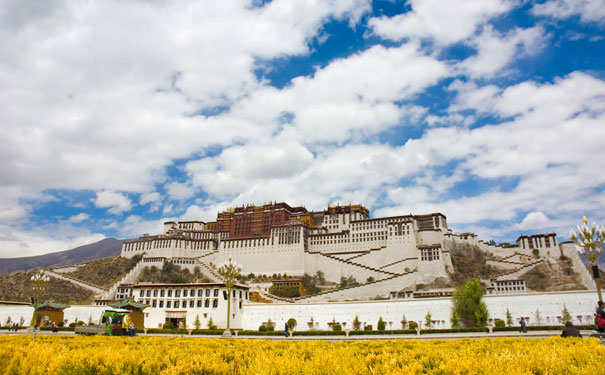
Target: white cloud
588, 10
147, 67
78, 218
116, 202
135, 226
495, 50
445, 22
44, 239
179, 191
535, 220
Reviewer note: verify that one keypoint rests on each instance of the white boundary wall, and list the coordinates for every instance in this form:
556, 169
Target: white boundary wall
550, 305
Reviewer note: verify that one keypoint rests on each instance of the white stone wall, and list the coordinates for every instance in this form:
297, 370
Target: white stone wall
549, 305
16, 312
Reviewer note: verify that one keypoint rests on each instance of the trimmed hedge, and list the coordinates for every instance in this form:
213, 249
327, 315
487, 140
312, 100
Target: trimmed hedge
544, 328
68, 329
260, 333
454, 330
214, 332
389, 332
319, 333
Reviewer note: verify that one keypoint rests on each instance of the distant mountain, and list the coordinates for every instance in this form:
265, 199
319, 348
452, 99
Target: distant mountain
104, 248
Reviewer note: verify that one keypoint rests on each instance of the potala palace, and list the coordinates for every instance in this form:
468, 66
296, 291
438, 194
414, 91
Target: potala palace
394, 254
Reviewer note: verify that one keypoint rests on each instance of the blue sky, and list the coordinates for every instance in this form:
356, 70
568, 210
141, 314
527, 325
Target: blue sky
118, 116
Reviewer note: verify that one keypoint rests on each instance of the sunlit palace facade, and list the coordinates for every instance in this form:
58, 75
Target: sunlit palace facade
392, 252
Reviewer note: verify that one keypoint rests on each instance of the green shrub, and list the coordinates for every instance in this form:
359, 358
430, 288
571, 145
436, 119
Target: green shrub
368, 327
499, 323
381, 326
270, 328
292, 323
61, 323
262, 328
336, 327
412, 324
168, 325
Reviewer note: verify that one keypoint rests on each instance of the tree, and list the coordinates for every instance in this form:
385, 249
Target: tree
356, 324
565, 315
292, 323
381, 326
469, 308
229, 271
404, 322
196, 323
427, 319
538, 317
211, 324
454, 319
509, 318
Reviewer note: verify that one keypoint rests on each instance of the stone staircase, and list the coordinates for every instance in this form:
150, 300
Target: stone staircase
346, 261
211, 273
129, 278
518, 272
394, 282
81, 283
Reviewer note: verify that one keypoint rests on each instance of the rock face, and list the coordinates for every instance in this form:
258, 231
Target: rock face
104, 248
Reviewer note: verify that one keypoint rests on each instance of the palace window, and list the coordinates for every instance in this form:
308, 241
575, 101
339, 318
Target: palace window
429, 254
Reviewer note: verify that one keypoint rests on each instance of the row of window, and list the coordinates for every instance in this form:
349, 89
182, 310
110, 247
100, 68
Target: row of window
430, 254
177, 293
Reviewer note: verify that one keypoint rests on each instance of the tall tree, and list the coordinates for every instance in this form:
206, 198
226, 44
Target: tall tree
468, 304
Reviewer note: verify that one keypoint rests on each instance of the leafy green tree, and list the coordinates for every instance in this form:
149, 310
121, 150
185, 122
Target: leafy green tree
454, 319
292, 323
565, 315
356, 324
381, 326
468, 304
427, 319
196, 323
509, 318
211, 324
404, 322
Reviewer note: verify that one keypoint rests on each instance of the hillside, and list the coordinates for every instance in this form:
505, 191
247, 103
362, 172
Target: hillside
17, 286
104, 248
104, 272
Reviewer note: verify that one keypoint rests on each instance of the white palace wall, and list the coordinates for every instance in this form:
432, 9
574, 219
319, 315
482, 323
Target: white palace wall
581, 305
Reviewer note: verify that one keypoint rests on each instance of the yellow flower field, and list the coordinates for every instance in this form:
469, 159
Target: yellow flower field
164, 355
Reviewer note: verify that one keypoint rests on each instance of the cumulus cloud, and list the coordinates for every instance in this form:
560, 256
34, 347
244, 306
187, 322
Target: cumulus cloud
78, 218
445, 22
587, 10
495, 51
116, 202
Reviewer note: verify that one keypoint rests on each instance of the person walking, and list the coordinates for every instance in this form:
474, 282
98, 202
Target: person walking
570, 331
286, 328
523, 325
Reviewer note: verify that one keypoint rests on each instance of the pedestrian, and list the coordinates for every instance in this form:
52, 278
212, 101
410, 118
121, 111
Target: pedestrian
54, 328
599, 318
570, 330
126, 324
286, 328
523, 327
16, 327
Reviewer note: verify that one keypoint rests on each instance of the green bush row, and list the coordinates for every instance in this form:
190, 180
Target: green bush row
58, 328
543, 328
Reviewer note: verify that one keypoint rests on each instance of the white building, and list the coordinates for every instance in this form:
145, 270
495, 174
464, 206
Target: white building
182, 304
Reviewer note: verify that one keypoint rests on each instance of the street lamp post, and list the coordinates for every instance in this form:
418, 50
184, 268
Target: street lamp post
589, 239
229, 271
39, 282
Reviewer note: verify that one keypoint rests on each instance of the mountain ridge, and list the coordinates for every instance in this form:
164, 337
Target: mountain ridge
101, 249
